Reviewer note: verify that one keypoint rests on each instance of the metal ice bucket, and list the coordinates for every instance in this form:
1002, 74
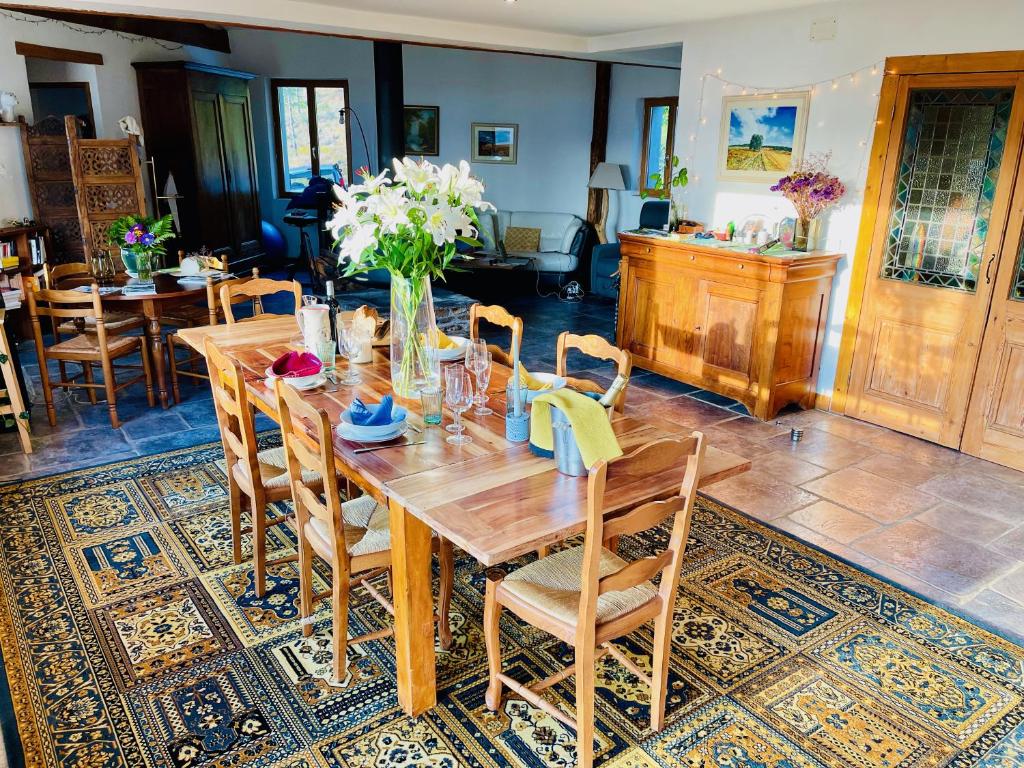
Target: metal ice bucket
568, 460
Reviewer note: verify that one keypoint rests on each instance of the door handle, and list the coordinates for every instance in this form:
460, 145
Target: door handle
988, 269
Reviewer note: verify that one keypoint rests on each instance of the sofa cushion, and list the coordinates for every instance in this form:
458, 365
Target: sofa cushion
549, 261
522, 239
557, 230
487, 232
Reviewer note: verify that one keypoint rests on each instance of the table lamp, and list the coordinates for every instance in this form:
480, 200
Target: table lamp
606, 176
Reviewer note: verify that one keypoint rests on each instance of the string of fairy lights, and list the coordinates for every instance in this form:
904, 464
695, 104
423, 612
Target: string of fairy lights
82, 30
866, 76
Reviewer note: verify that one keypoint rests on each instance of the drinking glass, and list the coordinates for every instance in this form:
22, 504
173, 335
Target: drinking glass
458, 394
480, 365
430, 399
309, 300
326, 350
351, 338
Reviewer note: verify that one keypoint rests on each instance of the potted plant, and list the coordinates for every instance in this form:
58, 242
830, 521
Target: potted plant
812, 190
408, 224
678, 179
140, 239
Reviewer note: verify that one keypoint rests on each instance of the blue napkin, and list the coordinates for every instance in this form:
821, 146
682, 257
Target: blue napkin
376, 416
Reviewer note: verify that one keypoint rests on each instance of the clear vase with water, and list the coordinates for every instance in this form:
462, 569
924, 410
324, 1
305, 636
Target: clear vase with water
415, 365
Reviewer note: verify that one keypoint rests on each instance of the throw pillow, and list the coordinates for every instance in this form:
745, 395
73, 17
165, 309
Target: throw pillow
526, 239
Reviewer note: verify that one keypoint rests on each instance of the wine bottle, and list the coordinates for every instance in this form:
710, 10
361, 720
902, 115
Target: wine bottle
332, 309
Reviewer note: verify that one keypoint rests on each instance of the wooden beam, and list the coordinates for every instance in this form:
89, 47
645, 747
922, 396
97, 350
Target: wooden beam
57, 54
214, 38
599, 138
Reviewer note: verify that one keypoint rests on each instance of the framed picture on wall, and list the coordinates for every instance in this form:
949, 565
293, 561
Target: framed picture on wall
422, 130
762, 136
495, 143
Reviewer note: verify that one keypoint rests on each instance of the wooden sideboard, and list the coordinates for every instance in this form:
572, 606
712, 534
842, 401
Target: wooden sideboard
748, 326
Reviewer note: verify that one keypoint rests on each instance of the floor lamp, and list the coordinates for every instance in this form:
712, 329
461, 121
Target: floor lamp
606, 176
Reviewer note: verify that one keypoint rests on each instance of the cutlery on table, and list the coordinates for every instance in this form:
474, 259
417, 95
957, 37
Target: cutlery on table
382, 447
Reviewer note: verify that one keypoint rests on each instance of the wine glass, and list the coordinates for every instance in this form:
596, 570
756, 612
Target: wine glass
351, 338
458, 395
479, 363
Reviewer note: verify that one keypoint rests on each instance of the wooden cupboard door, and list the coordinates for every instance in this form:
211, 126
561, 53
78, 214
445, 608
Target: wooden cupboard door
213, 190
946, 188
727, 329
239, 167
656, 315
995, 420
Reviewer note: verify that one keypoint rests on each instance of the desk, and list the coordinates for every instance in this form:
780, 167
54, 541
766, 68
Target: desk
492, 498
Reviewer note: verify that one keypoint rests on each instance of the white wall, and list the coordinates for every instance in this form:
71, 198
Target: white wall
773, 51
630, 86
551, 100
114, 91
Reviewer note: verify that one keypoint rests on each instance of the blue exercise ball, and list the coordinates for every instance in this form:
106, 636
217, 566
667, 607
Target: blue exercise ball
274, 242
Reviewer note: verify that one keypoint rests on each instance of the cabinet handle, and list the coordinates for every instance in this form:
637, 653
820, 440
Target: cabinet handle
741, 266
697, 329
988, 269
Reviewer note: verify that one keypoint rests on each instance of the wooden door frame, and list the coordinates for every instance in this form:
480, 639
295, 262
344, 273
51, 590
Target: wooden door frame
896, 68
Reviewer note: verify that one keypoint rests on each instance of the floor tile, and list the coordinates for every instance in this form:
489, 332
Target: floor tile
760, 495
712, 397
979, 493
916, 450
683, 410
786, 468
836, 522
730, 441
754, 429
881, 499
157, 421
964, 523
1011, 544
851, 429
1002, 613
821, 448
898, 468
948, 562
1012, 585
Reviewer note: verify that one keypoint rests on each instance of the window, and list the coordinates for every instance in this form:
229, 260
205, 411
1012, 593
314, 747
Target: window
311, 139
656, 151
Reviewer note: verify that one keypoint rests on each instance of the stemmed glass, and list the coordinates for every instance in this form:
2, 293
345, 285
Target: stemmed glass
478, 361
351, 338
458, 395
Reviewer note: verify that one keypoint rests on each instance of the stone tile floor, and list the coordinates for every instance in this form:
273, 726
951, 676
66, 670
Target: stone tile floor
938, 522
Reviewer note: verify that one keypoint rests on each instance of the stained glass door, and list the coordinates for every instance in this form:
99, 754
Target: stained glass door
950, 164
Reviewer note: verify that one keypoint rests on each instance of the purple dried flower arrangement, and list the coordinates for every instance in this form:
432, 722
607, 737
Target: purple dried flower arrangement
811, 188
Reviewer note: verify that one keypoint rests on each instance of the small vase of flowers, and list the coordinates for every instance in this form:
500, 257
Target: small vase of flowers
409, 224
812, 190
140, 239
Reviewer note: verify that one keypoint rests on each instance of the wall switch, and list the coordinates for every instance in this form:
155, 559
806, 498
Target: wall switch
823, 29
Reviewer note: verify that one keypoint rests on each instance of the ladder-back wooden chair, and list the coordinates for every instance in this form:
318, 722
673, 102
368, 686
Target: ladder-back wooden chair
261, 476
255, 290
84, 349
497, 315
353, 536
73, 274
214, 313
203, 313
595, 346
588, 596
11, 391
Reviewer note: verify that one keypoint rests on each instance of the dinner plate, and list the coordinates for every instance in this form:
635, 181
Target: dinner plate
358, 431
398, 431
299, 382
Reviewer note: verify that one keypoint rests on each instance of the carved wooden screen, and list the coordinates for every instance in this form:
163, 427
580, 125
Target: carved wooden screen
108, 184
48, 166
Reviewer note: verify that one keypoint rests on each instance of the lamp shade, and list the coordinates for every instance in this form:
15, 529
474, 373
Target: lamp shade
607, 176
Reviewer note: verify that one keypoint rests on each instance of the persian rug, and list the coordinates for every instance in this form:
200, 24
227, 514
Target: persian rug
131, 639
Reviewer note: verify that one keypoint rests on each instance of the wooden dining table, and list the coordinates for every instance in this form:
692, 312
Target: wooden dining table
494, 499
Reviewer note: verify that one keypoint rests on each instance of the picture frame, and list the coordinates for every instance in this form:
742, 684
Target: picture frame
422, 125
495, 143
762, 137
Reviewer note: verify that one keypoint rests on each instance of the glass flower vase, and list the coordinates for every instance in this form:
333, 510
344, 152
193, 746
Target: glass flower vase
144, 263
414, 362
805, 234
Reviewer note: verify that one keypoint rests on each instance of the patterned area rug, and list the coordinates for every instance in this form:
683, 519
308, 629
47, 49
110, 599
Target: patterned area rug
131, 640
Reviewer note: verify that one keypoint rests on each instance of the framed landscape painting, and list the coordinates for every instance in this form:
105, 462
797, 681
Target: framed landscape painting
762, 136
495, 142
422, 130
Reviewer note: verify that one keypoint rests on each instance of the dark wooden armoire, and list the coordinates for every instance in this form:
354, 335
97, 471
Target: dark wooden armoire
197, 124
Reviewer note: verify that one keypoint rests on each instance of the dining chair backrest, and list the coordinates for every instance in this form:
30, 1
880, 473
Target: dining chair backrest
595, 346
62, 305
613, 478
235, 292
234, 414
496, 315
213, 289
318, 458
55, 274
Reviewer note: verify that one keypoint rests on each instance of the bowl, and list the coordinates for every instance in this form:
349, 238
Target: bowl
557, 382
363, 431
456, 353
298, 381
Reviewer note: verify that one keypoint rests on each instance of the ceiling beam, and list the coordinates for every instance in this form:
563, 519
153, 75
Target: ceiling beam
214, 38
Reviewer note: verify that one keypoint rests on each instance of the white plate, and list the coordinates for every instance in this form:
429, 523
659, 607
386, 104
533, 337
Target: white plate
299, 382
557, 382
359, 431
399, 430
302, 384
454, 354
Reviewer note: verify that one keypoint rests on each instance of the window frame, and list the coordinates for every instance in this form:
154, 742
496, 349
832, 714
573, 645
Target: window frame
666, 171
314, 140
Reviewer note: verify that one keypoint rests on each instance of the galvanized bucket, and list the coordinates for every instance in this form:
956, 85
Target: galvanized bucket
568, 460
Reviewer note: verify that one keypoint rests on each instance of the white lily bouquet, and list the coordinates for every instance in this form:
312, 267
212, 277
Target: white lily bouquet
409, 224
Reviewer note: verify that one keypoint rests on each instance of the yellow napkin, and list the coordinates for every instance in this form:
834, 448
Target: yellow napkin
530, 382
443, 342
590, 425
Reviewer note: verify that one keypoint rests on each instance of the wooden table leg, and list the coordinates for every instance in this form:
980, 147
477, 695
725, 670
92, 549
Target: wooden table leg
414, 611
156, 341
